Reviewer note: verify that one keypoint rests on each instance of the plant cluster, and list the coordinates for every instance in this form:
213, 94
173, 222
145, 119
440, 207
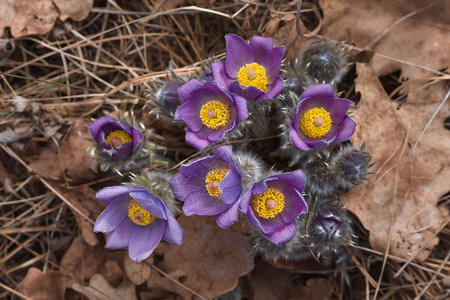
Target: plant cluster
295, 213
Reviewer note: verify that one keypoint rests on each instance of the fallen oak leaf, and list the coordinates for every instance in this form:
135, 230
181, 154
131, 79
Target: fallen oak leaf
212, 258
100, 289
399, 205
43, 286
77, 10
7, 14
33, 17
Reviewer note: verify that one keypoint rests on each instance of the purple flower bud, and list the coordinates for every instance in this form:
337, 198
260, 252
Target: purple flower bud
250, 70
116, 139
209, 112
210, 186
136, 219
168, 97
273, 204
330, 229
320, 119
351, 165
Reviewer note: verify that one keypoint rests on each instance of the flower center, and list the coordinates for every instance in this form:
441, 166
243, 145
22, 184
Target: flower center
215, 114
212, 180
269, 204
138, 214
253, 75
316, 122
117, 138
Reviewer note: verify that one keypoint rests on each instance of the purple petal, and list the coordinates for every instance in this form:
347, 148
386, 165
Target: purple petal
228, 217
241, 108
296, 205
220, 75
185, 91
276, 89
245, 202
150, 203
173, 232
249, 93
112, 193
337, 109
267, 56
119, 238
112, 216
194, 139
284, 235
189, 112
346, 130
201, 203
295, 179
239, 53
296, 140
96, 127
137, 137
144, 239
231, 187
318, 90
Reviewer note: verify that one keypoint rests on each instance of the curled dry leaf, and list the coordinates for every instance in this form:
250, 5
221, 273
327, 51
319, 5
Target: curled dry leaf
100, 289
399, 204
211, 258
7, 14
72, 163
137, 272
81, 261
43, 286
83, 198
10, 136
270, 283
75, 9
33, 17
421, 39
315, 289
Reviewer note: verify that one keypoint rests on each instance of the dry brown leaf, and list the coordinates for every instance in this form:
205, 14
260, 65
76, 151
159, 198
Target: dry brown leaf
161, 286
7, 14
137, 272
315, 289
112, 272
72, 163
83, 198
81, 260
211, 258
100, 289
33, 17
267, 282
75, 9
423, 39
399, 204
43, 286
298, 265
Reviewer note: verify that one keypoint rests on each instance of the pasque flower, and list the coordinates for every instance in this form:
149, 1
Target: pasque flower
320, 119
209, 112
137, 220
273, 204
116, 139
250, 70
210, 186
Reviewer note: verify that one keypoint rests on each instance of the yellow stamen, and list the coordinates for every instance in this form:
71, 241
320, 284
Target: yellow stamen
253, 75
138, 214
118, 137
212, 180
316, 122
269, 204
215, 114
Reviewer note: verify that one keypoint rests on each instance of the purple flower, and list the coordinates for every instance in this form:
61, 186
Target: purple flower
209, 112
250, 70
116, 138
273, 204
210, 186
320, 119
137, 220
